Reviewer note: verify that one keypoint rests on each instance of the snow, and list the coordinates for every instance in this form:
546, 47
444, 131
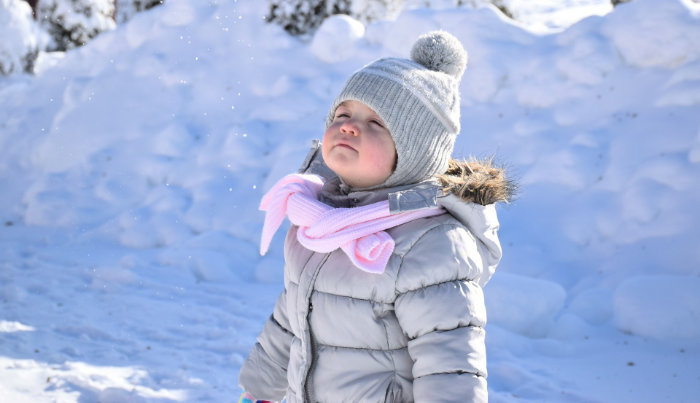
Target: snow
74, 23
670, 47
11, 327
549, 15
508, 293
336, 38
659, 306
132, 169
21, 37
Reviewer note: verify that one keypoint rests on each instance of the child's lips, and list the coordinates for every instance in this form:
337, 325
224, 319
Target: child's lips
345, 145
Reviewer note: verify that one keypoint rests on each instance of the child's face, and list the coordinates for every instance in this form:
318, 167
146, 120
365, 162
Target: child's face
358, 147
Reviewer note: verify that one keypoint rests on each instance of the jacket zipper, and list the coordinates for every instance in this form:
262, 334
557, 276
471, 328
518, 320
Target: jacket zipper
312, 342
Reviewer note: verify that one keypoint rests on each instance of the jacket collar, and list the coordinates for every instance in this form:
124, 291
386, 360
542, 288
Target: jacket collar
417, 196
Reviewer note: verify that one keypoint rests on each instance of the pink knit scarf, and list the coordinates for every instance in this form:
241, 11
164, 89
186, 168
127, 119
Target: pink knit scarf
358, 231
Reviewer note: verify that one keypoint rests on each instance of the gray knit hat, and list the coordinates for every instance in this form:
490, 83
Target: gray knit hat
418, 99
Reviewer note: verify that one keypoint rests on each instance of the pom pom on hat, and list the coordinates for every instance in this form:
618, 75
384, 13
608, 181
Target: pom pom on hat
440, 51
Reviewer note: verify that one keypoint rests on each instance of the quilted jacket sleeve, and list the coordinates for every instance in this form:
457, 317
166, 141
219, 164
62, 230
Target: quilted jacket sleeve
264, 372
440, 307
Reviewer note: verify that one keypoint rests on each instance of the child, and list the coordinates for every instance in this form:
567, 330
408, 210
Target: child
388, 253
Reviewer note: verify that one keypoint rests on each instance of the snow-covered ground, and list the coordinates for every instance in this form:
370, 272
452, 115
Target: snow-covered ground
132, 168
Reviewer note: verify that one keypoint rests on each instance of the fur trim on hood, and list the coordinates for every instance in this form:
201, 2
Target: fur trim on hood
477, 181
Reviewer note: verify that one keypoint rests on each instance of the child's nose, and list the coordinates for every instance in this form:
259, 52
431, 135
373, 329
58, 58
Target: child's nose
350, 127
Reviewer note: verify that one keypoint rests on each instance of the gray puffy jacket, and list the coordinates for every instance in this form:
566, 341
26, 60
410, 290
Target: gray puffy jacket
413, 333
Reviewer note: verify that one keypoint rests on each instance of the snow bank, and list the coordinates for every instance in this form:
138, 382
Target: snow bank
662, 307
594, 305
651, 42
523, 305
336, 38
74, 380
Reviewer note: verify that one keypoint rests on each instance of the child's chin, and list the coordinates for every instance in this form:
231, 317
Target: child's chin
341, 164
343, 153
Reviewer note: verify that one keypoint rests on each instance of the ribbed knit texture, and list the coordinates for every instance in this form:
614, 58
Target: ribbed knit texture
420, 106
358, 231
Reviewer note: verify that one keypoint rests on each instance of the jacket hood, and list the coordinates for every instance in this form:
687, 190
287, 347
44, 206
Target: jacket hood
470, 190
477, 182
